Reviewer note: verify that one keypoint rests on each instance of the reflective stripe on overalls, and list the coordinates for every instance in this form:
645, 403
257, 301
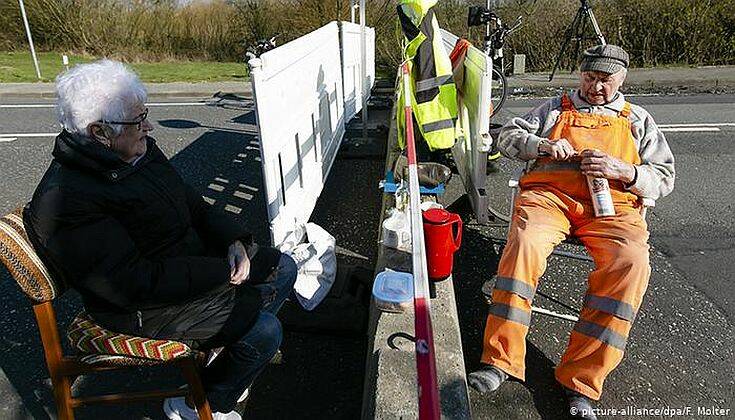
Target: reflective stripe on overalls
555, 202
434, 98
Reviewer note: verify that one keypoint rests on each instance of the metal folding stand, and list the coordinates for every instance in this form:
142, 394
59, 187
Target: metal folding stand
576, 33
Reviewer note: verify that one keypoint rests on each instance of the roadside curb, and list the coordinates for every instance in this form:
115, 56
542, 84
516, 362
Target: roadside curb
158, 90
663, 80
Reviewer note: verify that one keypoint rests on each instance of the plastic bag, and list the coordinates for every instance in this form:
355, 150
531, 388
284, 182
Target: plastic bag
397, 230
317, 264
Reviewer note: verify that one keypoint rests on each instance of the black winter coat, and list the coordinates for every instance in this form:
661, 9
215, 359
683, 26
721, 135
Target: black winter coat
144, 250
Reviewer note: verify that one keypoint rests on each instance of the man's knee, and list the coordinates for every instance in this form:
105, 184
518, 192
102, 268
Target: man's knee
631, 255
529, 242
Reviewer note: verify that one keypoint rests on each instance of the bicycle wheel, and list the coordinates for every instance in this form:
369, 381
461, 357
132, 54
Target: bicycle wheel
498, 91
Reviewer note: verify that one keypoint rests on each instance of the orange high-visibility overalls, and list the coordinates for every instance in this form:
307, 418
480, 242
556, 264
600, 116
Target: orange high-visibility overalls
555, 202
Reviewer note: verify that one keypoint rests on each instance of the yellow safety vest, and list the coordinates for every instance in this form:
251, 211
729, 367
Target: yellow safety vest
434, 95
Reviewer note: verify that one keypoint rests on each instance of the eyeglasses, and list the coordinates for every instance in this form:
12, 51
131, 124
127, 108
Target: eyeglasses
138, 121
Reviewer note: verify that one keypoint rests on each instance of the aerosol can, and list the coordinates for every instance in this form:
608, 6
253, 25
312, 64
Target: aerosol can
601, 197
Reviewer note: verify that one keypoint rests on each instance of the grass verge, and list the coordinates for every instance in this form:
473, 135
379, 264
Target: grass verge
18, 67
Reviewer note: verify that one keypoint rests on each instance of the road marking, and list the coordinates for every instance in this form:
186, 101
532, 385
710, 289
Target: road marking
177, 104
694, 127
7, 139
698, 125
689, 129
148, 104
29, 135
28, 106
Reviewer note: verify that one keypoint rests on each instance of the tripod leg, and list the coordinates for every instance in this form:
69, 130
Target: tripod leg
578, 44
596, 27
567, 39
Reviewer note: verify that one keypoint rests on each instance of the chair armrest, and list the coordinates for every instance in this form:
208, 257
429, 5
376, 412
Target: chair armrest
648, 202
515, 177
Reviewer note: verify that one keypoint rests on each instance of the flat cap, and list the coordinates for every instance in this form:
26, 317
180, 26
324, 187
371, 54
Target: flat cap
606, 58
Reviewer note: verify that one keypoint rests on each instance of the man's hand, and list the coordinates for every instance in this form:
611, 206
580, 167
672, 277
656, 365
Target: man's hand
239, 263
557, 149
601, 165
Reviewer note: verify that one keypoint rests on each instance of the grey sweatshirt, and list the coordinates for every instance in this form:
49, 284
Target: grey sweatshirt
519, 139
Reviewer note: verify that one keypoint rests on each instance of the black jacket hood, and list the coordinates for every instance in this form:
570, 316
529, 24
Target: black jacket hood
90, 155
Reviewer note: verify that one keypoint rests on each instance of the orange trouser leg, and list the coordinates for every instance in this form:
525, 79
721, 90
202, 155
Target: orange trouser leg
616, 287
539, 224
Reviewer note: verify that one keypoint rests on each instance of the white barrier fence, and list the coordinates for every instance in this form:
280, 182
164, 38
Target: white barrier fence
300, 106
350, 37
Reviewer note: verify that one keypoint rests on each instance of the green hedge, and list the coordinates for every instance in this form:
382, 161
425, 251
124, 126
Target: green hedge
655, 32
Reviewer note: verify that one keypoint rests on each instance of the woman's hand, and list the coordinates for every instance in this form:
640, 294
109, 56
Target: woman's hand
599, 164
239, 263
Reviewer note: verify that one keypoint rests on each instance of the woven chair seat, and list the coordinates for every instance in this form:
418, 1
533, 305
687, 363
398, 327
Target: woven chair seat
98, 345
105, 360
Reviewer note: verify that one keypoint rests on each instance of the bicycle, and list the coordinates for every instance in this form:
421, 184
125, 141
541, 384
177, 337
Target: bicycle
261, 46
493, 46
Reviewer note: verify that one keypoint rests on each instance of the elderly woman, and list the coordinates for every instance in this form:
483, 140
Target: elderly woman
114, 219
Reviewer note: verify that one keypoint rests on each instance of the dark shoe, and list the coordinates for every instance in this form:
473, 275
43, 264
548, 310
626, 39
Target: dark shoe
487, 380
580, 407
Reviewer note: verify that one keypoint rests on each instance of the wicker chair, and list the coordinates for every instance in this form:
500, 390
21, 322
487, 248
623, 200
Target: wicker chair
98, 349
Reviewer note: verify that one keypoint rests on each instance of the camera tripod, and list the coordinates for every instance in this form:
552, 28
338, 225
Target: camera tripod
576, 33
496, 33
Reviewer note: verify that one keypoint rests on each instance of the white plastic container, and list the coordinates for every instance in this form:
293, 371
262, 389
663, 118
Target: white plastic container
397, 231
393, 291
428, 205
601, 197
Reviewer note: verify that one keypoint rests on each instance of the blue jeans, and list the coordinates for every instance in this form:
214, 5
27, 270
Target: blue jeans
240, 363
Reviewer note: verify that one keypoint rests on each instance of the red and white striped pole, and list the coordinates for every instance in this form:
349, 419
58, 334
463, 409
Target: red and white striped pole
428, 389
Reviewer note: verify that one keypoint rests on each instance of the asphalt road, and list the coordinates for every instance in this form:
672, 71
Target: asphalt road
213, 144
681, 350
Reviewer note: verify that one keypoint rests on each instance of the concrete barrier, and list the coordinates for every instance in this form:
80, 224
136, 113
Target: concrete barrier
390, 390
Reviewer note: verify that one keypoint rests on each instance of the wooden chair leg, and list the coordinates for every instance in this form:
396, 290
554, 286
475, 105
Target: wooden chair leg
189, 369
62, 396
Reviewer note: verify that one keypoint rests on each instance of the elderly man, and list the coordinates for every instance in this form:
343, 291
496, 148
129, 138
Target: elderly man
594, 132
149, 257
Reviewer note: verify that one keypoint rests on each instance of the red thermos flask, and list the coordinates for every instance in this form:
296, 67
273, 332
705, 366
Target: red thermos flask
441, 241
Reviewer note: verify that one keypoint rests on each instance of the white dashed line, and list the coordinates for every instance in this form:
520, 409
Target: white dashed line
29, 135
697, 125
688, 129
694, 127
21, 106
28, 106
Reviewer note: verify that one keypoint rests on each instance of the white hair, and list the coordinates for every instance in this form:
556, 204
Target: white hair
102, 90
